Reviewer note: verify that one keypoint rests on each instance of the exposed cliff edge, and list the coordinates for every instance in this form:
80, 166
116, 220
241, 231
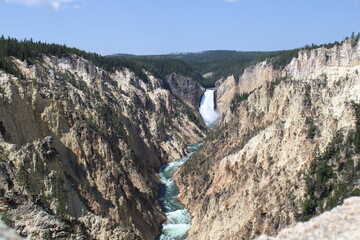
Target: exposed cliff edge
340, 223
80, 147
286, 149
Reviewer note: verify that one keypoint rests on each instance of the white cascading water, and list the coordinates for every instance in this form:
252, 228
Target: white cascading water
207, 109
178, 218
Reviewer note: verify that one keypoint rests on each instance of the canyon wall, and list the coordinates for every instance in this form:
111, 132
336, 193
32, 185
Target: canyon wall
80, 147
341, 222
285, 151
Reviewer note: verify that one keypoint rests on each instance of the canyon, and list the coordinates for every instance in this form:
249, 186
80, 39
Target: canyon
85, 152
80, 148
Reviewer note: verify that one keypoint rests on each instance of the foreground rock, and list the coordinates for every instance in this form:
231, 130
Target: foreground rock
341, 223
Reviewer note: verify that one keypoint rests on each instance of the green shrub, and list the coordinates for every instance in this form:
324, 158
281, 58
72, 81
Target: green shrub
307, 96
273, 85
2, 192
22, 177
308, 209
311, 132
235, 102
6, 218
356, 192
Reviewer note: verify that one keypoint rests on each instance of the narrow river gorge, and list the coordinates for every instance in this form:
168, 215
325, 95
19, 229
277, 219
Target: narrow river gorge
178, 218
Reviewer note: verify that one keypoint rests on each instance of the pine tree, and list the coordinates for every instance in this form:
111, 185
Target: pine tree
352, 36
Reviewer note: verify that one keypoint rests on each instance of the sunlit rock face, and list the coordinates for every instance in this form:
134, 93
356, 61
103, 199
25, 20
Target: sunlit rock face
341, 222
80, 148
249, 178
186, 89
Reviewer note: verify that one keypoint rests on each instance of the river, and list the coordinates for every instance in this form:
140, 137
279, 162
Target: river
178, 218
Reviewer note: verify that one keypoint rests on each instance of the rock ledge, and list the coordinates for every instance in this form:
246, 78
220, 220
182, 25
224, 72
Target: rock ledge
341, 223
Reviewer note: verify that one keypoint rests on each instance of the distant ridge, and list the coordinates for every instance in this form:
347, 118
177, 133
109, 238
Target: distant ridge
213, 65
220, 63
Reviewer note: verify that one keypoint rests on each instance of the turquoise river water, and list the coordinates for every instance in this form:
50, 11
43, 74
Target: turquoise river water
178, 218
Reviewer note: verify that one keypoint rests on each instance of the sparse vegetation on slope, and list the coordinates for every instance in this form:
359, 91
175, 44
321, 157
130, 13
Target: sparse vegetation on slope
276, 176
333, 175
88, 141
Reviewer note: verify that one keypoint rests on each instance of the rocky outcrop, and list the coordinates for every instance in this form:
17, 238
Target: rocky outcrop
226, 90
80, 147
286, 152
340, 223
334, 61
256, 75
307, 63
186, 89
252, 78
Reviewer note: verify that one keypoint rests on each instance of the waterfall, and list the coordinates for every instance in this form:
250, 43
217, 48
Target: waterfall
178, 218
207, 109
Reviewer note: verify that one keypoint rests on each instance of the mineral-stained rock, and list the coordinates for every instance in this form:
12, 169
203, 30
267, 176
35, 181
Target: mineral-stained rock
261, 170
80, 147
186, 89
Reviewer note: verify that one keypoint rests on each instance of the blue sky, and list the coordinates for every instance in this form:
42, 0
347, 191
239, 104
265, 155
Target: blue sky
167, 26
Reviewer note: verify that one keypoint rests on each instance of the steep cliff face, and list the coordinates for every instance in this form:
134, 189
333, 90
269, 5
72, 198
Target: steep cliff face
186, 89
340, 223
284, 152
80, 147
226, 90
252, 78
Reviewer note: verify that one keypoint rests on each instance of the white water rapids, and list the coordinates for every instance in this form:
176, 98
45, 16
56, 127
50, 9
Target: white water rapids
178, 218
